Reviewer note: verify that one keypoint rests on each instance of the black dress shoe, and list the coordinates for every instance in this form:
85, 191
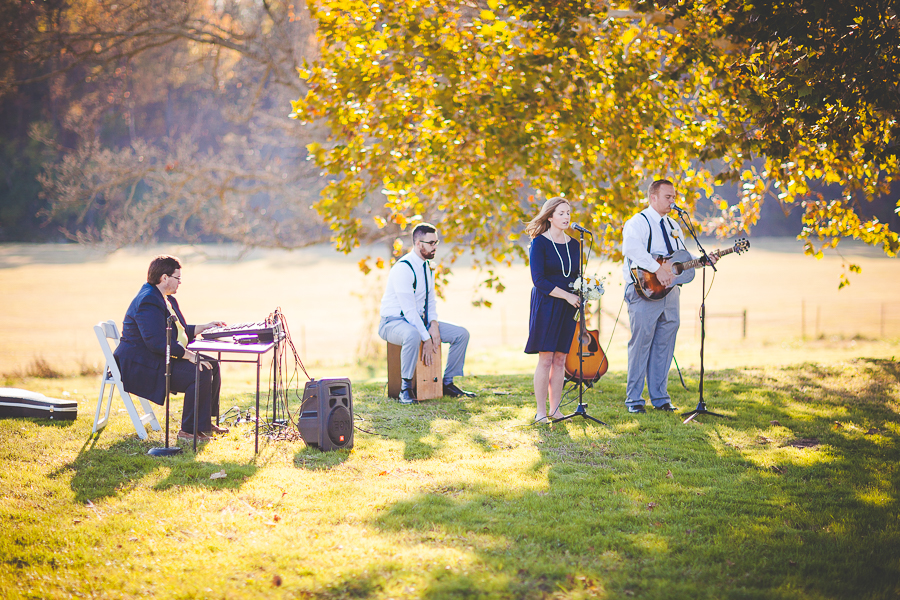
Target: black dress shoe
666, 407
451, 390
637, 408
406, 397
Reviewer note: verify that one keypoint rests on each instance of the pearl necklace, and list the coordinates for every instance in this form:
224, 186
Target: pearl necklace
562, 266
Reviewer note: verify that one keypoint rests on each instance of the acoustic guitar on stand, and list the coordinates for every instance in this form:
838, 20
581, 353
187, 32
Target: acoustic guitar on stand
591, 364
683, 264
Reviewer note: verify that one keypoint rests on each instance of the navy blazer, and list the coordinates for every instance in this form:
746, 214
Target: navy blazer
141, 353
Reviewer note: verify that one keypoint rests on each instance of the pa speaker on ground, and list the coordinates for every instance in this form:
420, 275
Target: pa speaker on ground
326, 414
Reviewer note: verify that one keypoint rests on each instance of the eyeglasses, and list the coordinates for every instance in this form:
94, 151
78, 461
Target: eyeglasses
173, 277
432, 244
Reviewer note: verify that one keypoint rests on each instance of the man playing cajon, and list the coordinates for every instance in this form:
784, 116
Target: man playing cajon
409, 317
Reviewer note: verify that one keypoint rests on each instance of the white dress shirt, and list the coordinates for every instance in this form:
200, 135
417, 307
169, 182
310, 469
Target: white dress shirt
634, 240
400, 300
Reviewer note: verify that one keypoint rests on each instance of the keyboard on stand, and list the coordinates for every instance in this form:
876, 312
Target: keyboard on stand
247, 333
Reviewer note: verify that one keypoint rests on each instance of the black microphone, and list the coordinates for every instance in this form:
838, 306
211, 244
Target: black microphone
678, 209
578, 227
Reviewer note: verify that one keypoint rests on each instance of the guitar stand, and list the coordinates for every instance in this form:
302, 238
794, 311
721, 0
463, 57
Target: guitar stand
701, 405
581, 409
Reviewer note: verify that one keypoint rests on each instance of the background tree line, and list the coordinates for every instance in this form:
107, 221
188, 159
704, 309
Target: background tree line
128, 121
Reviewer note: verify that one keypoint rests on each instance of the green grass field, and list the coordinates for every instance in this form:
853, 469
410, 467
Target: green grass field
793, 495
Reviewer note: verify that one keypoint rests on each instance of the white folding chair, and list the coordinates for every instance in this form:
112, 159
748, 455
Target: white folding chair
107, 330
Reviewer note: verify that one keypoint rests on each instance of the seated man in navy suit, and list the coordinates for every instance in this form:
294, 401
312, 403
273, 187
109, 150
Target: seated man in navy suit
141, 353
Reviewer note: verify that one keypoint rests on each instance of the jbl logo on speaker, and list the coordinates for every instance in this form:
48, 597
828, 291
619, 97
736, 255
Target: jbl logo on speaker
326, 414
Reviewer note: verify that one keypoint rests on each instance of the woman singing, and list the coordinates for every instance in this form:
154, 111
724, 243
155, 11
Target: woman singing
555, 263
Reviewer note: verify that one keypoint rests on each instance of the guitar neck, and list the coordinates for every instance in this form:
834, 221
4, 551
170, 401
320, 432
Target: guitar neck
699, 261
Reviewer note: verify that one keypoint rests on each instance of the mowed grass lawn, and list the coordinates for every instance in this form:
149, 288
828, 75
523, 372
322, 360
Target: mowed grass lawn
793, 495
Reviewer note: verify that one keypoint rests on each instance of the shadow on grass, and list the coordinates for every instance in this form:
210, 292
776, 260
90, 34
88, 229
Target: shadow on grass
104, 472
655, 508
414, 425
313, 459
59, 423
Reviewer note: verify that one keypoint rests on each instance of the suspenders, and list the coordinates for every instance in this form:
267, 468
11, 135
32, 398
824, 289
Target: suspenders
415, 281
649, 240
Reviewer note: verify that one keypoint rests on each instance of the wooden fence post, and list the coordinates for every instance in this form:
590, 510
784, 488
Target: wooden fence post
803, 319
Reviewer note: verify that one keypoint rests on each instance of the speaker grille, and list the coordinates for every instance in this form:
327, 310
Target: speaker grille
340, 426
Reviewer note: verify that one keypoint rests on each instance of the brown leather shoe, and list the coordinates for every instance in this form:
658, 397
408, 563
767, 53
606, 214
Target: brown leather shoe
219, 430
189, 437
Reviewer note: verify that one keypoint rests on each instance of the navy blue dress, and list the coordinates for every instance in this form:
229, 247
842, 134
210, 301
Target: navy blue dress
551, 325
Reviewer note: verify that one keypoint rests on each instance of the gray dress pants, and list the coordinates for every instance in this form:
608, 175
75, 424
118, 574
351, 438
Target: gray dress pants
654, 325
397, 330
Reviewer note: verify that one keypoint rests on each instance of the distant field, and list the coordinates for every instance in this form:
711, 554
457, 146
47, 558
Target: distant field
54, 294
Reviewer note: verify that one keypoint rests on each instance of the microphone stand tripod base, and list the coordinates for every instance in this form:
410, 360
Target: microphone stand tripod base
580, 411
700, 410
167, 451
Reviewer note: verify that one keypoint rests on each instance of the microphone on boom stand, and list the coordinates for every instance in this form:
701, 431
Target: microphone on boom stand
701, 404
581, 409
167, 450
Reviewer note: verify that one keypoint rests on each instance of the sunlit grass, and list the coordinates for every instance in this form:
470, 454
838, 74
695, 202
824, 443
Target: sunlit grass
792, 496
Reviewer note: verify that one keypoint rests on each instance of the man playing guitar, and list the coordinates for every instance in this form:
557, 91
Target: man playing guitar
654, 323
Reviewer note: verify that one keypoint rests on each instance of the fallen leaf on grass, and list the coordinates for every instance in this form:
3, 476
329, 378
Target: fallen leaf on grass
775, 423
276, 518
89, 504
872, 431
669, 474
276, 580
219, 475
652, 505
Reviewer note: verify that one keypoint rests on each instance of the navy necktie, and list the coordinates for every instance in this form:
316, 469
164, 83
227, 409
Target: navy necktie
662, 225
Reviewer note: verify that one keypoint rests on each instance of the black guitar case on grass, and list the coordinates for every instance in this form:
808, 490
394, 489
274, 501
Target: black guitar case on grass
18, 403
